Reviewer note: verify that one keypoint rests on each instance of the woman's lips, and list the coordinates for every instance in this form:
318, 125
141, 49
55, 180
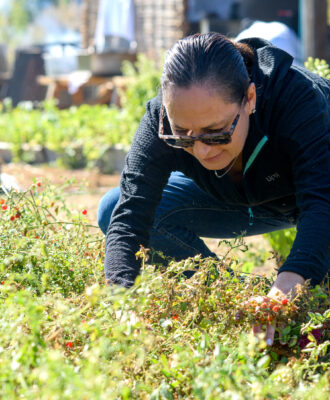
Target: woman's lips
214, 158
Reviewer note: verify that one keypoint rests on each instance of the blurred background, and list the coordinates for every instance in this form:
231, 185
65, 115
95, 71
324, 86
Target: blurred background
86, 40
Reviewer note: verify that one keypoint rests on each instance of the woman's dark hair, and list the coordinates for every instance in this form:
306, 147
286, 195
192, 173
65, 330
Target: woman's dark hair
210, 59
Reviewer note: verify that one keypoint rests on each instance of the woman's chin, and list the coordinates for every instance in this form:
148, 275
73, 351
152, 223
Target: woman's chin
215, 165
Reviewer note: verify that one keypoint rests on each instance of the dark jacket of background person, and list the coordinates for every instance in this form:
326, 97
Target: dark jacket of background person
286, 163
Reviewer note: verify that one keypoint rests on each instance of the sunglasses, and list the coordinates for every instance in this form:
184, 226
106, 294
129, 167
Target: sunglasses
183, 141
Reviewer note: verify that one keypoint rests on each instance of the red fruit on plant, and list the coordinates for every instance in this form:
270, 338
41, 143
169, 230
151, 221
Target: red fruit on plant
269, 318
2, 282
12, 218
39, 184
2, 201
276, 309
264, 305
69, 344
18, 215
4, 207
84, 212
285, 302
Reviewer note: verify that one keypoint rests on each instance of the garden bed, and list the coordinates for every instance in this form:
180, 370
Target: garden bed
91, 185
65, 333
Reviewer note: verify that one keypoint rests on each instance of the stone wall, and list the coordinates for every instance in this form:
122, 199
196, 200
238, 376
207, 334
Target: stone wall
88, 22
159, 24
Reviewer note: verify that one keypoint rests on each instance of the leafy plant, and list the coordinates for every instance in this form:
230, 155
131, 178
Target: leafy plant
65, 333
281, 242
81, 135
319, 67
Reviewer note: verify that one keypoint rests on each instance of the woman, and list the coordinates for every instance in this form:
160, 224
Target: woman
237, 142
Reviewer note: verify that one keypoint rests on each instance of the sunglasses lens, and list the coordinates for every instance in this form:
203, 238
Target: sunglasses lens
179, 142
171, 142
223, 139
185, 143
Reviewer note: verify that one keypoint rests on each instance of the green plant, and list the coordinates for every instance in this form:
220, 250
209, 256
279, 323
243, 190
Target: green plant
65, 333
282, 241
319, 67
81, 135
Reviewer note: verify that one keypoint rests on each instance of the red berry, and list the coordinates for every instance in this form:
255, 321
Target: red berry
18, 215
83, 321
12, 218
285, 302
4, 207
2, 282
264, 305
39, 184
2, 201
71, 269
69, 344
36, 237
276, 308
84, 212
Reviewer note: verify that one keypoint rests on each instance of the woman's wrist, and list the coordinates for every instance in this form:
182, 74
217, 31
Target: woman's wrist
285, 284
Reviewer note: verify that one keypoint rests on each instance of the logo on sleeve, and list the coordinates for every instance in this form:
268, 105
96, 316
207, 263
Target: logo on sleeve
273, 177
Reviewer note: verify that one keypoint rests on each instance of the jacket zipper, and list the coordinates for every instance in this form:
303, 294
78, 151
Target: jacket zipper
252, 157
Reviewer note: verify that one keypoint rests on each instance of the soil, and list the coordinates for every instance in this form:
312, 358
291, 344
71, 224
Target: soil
91, 185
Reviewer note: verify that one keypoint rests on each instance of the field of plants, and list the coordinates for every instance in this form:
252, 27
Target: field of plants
81, 135
67, 334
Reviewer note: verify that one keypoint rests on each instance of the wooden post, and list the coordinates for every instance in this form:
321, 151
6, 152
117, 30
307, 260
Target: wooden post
84, 24
313, 28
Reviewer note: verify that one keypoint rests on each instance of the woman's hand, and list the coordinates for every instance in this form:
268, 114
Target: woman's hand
284, 287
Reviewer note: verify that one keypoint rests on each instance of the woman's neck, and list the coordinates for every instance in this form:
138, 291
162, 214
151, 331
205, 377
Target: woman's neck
236, 173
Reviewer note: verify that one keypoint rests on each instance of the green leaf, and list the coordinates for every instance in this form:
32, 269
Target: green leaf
165, 391
264, 361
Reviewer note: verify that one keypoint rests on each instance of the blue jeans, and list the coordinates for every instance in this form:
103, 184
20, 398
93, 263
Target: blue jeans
186, 213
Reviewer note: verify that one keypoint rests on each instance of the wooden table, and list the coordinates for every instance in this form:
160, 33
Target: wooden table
107, 87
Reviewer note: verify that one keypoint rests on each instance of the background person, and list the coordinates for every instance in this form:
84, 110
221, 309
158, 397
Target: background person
279, 34
237, 142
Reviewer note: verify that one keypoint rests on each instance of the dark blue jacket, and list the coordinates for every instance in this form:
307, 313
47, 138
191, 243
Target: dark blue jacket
286, 164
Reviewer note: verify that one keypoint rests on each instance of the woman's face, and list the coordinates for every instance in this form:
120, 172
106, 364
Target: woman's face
200, 109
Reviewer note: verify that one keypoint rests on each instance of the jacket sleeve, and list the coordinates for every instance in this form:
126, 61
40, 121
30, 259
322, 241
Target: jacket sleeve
305, 133
147, 168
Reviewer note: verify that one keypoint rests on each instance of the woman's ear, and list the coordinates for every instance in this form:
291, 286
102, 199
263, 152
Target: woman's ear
251, 98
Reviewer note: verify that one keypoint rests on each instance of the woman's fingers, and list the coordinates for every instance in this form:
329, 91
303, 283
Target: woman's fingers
270, 332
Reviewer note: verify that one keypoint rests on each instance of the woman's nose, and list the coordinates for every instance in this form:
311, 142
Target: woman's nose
201, 150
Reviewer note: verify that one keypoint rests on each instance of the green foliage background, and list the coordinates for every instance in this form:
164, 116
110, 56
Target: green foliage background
15, 16
92, 128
